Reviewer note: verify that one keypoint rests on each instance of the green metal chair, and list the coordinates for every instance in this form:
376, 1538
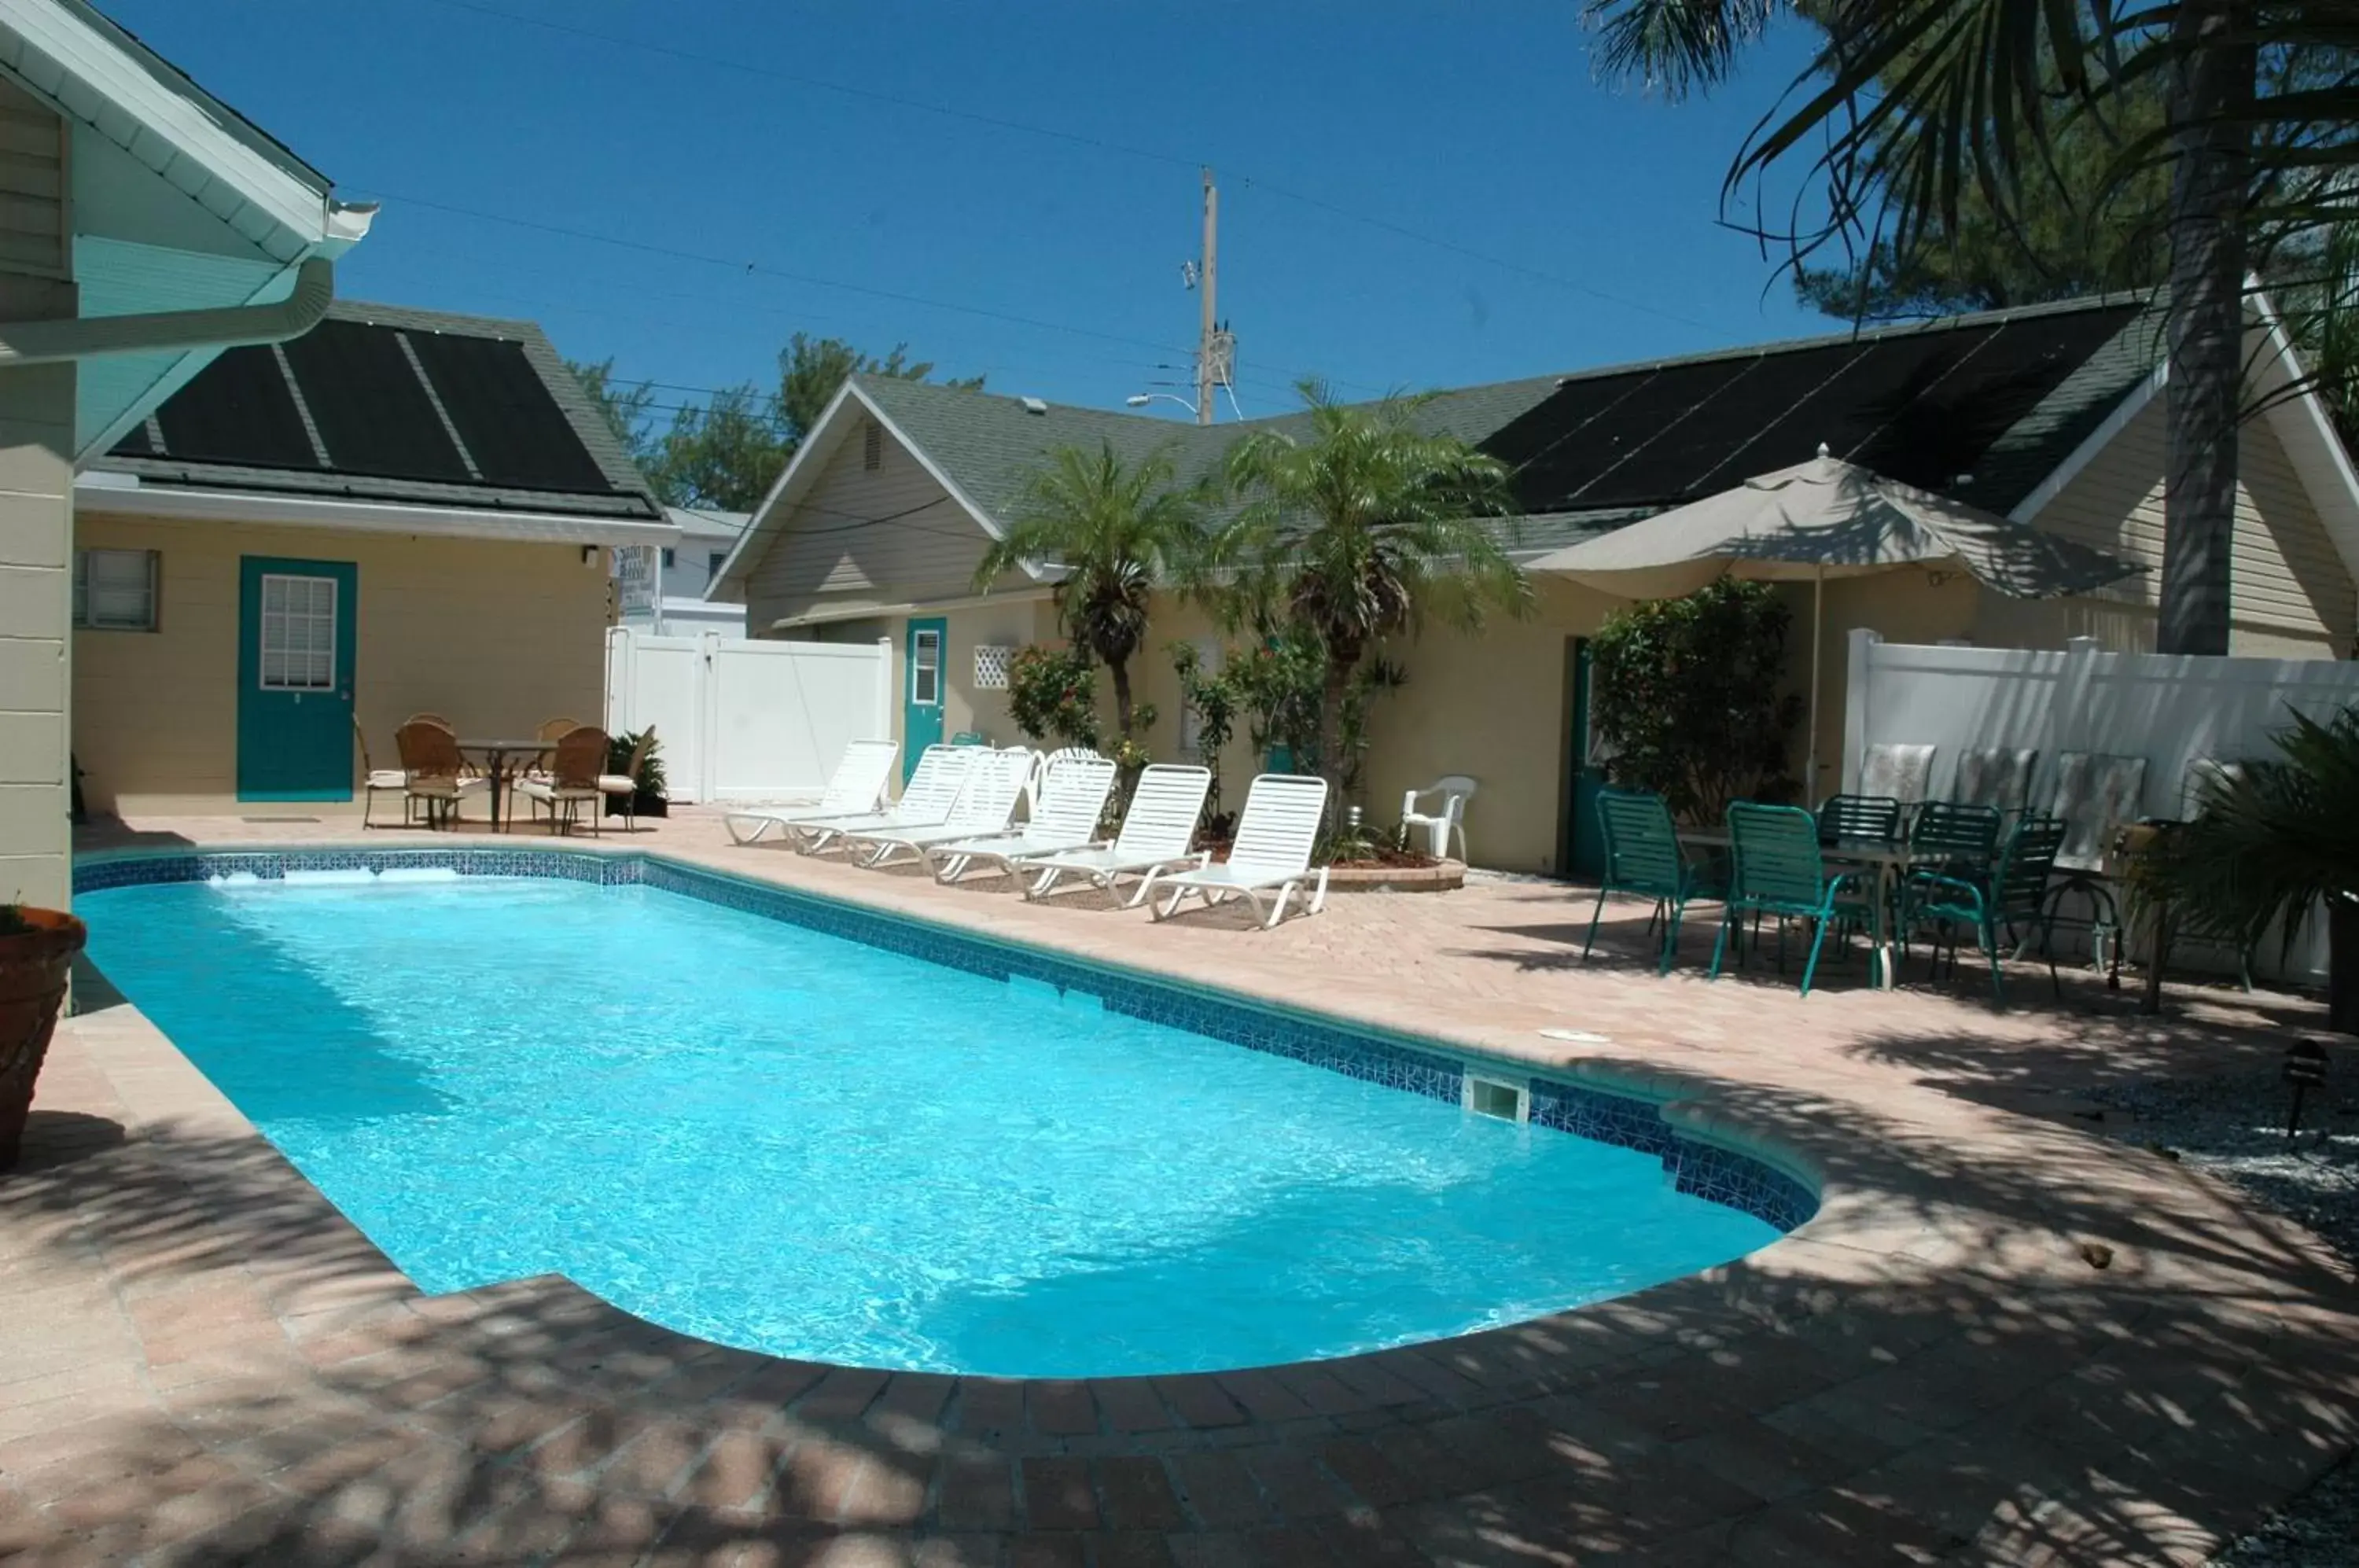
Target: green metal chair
1775, 869
2019, 889
1948, 839
1643, 858
1859, 816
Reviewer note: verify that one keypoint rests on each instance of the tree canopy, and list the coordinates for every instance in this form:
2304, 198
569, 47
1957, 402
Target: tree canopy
1357, 532
727, 452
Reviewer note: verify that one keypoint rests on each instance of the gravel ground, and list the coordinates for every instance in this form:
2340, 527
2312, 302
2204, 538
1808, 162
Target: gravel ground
2234, 1128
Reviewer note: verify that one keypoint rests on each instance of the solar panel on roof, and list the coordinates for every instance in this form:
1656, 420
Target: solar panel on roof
371, 411
237, 409
1883, 376
503, 412
1940, 434
1561, 414
1573, 472
1677, 465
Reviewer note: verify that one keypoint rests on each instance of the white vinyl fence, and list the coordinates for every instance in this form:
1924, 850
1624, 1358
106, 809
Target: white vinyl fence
743, 719
2172, 710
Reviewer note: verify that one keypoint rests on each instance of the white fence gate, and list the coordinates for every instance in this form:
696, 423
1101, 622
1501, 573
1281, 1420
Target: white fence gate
2172, 710
742, 719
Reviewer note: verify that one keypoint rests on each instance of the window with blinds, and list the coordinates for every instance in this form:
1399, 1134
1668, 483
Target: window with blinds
298, 632
115, 590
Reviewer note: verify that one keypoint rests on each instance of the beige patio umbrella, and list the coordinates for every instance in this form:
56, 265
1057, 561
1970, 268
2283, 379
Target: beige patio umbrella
1828, 518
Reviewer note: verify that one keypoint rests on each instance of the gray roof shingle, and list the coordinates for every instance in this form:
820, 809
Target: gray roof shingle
2038, 380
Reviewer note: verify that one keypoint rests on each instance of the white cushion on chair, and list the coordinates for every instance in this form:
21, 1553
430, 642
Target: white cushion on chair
388, 778
616, 784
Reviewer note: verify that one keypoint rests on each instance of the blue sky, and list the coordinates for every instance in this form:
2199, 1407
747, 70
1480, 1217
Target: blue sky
713, 131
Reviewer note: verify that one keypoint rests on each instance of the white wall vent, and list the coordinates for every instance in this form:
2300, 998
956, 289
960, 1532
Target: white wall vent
1499, 1098
991, 664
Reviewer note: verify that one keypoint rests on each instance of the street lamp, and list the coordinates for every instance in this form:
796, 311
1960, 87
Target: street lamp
1141, 400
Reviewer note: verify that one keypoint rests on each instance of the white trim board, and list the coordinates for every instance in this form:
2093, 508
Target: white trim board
264, 509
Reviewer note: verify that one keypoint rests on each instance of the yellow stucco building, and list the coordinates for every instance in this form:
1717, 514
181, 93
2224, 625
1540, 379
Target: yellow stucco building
2051, 415
402, 511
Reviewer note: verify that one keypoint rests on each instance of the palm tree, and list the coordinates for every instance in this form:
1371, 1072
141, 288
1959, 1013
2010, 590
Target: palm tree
2272, 840
1912, 101
1116, 530
1358, 531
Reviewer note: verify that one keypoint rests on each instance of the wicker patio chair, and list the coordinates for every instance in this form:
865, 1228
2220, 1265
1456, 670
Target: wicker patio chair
574, 772
435, 775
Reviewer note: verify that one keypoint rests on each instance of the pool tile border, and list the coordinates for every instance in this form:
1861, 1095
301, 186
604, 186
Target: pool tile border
1737, 1179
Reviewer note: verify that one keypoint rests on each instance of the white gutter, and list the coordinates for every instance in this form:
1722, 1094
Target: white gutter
123, 495
228, 326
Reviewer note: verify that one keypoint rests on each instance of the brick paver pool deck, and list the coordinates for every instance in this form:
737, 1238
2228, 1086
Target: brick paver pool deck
2005, 1338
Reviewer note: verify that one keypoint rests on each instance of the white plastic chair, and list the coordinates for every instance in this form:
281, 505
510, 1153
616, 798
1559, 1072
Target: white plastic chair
1452, 790
1155, 834
1276, 835
986, 804
855, 786
933, 789
1072, 797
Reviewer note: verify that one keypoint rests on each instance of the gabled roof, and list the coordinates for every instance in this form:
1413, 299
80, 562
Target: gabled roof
1983, 408
381, 403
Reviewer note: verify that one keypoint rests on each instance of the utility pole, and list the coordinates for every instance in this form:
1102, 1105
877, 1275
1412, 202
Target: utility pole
1210, 285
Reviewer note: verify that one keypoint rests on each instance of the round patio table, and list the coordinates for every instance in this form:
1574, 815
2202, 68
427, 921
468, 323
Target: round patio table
498, 756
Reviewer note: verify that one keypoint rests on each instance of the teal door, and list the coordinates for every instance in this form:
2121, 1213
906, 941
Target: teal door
1581, 851
295, 679
922, 704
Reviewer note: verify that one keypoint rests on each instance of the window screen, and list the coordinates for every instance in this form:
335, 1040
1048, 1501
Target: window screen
926, 668
298, 632
115, 590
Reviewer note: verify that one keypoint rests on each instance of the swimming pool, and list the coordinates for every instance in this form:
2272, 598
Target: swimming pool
837, 1136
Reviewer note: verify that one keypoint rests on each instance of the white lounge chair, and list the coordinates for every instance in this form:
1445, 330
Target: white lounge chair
1276, 835
855, 786
933, 789
1155, 833
984, 806
1071, 799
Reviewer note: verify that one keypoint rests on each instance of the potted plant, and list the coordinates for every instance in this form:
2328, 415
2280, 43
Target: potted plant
37, 950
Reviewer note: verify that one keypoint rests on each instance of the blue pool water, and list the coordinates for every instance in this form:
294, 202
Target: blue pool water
786, 1140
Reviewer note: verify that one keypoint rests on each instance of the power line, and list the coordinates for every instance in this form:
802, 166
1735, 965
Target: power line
1027, 127
808, 279
1279, 381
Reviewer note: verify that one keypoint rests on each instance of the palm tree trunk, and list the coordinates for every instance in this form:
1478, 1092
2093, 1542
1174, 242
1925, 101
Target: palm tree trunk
1330, 730
1119, 669
2212, 88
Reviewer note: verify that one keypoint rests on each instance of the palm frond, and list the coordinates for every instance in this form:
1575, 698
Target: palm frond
2271, 839
1676, 47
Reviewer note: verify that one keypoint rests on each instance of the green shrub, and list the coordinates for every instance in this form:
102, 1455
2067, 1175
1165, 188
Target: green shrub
1685, 690
1052, 693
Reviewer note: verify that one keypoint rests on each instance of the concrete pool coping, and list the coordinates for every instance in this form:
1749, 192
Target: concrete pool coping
1933, 1365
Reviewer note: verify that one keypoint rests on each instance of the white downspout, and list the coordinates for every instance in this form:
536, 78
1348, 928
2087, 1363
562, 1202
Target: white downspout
85, 337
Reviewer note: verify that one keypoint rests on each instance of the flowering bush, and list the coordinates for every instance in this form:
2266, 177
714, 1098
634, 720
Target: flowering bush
1052, 693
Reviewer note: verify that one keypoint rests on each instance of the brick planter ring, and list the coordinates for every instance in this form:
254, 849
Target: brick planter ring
1438, 879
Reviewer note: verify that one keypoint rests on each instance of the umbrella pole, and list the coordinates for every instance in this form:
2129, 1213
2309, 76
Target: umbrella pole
1817, 624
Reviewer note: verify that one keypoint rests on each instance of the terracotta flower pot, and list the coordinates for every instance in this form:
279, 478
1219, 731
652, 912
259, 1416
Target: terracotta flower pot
33, 968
